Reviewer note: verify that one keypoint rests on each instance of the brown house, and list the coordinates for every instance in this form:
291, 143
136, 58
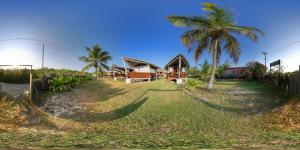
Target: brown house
177, 68
119, 72
234, 72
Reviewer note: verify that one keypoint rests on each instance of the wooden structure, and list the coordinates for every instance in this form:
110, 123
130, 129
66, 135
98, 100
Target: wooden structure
140, 69
177, 68
119, 72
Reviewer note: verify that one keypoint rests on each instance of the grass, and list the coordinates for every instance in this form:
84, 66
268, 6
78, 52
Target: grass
158, 115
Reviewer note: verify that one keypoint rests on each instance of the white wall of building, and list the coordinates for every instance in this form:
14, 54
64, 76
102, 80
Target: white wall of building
152, 70
142, 69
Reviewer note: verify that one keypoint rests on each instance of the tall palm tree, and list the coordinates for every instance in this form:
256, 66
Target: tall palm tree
97, 58
214, 31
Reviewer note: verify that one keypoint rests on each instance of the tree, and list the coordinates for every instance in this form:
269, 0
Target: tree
205, 70
195, 72
256, 69
215, 31
97, 58
221, 68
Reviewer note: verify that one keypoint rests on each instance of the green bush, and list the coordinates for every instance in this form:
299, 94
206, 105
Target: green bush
63, 83
192, 84
53, 79
58, 85
256, 71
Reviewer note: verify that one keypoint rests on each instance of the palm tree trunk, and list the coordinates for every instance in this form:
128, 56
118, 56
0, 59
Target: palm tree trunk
97, 76
214, 66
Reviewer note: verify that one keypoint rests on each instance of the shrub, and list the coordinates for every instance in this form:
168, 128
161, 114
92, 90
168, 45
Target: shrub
205, 70
194, 72
257, 71
63, 83
192, 83
58, 85
71, 81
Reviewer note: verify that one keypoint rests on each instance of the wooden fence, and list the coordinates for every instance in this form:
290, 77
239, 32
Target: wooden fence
294, 87
141, 75
290, 82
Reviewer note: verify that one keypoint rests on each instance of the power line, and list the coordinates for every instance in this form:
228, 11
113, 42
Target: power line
38, 40
67, 53
285, 46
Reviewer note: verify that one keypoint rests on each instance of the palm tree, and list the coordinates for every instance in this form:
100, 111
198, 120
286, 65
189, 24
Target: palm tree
214, 31
97, 58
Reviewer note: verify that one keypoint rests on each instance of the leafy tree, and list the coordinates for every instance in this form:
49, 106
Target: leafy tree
205, 70
97, 58
214, 31
256, 69
194, 72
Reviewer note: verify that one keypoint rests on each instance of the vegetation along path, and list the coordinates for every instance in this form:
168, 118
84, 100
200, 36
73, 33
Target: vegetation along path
112, 114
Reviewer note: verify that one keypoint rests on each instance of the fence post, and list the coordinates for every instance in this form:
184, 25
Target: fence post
30, 86
298, 84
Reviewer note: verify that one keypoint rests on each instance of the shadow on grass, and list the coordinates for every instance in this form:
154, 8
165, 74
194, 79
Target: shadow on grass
104, 90
262, 108
124, 111
109, 116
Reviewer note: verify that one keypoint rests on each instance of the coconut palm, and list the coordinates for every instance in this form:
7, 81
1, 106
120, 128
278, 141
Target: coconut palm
215, 31
97, 58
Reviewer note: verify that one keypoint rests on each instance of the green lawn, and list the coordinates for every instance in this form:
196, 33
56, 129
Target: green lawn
158, 115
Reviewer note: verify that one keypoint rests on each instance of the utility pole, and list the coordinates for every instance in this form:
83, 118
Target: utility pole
43, 56
265, 53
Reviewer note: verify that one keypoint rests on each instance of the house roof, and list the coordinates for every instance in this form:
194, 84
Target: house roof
133, 62
175, 61
118, 68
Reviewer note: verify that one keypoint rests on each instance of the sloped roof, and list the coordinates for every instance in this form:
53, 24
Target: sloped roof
119, 68
175, 61
133, 62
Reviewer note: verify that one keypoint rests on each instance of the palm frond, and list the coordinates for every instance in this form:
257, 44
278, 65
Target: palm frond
85, 59
191, 22
249, 32
87, 67
232, 46
203, 44
218, 15
219, 53
105, 66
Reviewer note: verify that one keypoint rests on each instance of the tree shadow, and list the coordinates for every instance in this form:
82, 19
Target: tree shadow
238, 110
103, 89
90, 117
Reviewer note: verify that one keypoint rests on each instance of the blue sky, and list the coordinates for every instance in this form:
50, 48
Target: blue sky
136, 28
